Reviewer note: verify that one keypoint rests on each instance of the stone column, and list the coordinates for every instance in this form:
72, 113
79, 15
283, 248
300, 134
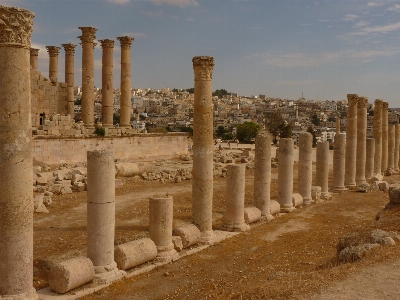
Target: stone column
369, 163
87, 106
160, 226
16, 213
262, 175
362, 114
34, 57
385, 128
235, 185
69, 76
377, 134
351, 141
107, 79
285, 174
101, 213
397, 147
53, 63
322, 167
202, 174
391, 140
125, 99
339, 152
337, 125
305, 166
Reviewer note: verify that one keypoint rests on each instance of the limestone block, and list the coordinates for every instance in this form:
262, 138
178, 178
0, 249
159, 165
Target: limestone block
37, 169
65, 190
275, 207
189, 234
177, 241
61, 174
297, 199
76, 178
70, 274
316, 192
383, 186
47, 200
376, 177
41, 181
56, 188
47, 175
251, 214
134, 253
38, 200
394, 194
80, 171
79, 187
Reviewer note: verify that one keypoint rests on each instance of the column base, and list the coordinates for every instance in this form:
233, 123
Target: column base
235, 227
207, 237
326, 196
308, 201
361, 181
287, 208
167, 256
31, 295
267, 217
339, 189
107, 274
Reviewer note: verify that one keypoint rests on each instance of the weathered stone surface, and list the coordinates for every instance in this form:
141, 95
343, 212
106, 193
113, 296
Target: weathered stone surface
394, 194
135, 253
354, 253
383, 186
297, 199
285, 174
275, 207
364, 188
177, 241
188, 233
252, 214
305, 167
316, 192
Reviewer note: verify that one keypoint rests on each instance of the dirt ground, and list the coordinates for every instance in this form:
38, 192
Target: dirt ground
291, 257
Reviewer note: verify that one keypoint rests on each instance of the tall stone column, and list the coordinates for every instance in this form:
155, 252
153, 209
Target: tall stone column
202, 174
285, 174
397, 147
377, 134
34, 57
351, 140
322, 167
53, 63
385, 129
391, 142
262, 175
69, 76
125, 99
339, 152
369, 164
16, 213
305, 166
87, 104
362, 116
337, 125
107, 79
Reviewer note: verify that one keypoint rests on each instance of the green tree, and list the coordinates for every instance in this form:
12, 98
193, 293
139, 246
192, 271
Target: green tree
247, 131
315, 120
220, 93
227, 136
286, 131
275, 123
190, 91
78, 101
220, 131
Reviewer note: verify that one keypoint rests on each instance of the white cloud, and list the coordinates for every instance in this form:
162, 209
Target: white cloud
119, 1
350, 17
180, 3
395, 8
190, 19
361, 24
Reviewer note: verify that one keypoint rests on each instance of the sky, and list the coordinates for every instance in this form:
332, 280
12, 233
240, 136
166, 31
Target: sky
324, 49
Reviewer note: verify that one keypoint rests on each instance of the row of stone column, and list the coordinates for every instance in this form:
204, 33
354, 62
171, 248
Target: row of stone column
87, 41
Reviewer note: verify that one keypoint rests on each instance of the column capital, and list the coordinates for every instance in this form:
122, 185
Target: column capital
53, 50
88, 34
203, 67
362, 102
126, 41
352, 99
69, 48
107, 43
385, 105
378, 103
16, 26
34, 51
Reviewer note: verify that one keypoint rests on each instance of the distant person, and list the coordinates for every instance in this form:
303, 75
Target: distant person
220, 146
237, 142
229, 144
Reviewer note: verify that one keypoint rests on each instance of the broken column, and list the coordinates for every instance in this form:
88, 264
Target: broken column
396, 147
235, 185
203, 146
87, 104
362, 115
125, 98
351, 141
34, 57
391, 138
305, 166
377, 134
339, 151
369, 163
101, 214
69, 76
53, 63
16, 213
285, 174
107, 81
385, 128
322, 167
262, 174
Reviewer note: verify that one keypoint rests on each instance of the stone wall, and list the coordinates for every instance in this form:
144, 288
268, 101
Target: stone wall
140, 147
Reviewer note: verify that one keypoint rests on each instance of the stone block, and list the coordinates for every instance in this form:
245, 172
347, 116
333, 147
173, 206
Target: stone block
177, 241
251, 214
297, 199
188, 233
383, 186
41, 181
316, 192
134, 253
275, 207
79, 186
394, 194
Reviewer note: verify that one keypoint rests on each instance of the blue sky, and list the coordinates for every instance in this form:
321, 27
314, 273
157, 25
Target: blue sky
281, 48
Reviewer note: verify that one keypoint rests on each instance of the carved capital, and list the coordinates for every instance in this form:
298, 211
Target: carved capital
125, 41
53, 50
34, 51
107, 43
16, 25
362, 102
378, 104
69, 48
203, 67
352, 99
385, 105
88, 34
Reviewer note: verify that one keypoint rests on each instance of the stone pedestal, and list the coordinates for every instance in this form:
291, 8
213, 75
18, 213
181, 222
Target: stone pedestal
361, 139
377, 134
322, 168
235, 185
34, 57
391, 142
397, 147
16, 213
125, 99
262, 174
385, 132
351, 141
285, 174
69, 76
107, 81
305, 167
87, 104
369, 163
101, 214
203, 144
339, 150
53, 63
160, 229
